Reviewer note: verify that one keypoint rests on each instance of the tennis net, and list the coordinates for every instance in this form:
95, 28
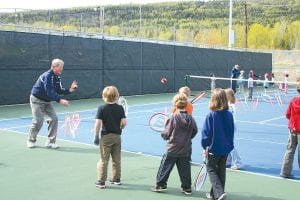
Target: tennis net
261, 88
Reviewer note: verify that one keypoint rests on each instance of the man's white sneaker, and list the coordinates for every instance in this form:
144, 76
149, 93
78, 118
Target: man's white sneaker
51, 145
30, 144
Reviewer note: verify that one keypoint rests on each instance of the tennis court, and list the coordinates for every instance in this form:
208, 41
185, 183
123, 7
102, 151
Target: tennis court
70, 171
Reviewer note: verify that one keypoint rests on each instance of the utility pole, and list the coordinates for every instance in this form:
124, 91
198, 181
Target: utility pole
246, 25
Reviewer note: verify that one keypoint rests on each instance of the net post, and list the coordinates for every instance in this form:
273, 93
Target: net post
186, 80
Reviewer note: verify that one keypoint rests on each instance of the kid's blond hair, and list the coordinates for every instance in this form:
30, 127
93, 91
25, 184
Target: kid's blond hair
185, 90
180, 101
110, 94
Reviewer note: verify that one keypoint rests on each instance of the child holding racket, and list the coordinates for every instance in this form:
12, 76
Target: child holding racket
189, 107
179, 131
233, 160
110, 119
217, 142
187, 92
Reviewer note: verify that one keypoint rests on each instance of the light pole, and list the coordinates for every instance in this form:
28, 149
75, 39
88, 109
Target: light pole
140, 20
101, 20
81, 18
230, 31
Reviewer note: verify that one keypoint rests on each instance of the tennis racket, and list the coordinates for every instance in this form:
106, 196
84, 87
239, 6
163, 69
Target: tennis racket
198, 97
201, 176
157, 122
123, 102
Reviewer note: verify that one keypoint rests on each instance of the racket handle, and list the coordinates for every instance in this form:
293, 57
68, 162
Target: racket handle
96, 140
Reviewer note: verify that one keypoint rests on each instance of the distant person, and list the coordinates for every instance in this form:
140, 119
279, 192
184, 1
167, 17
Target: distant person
187, 92
286, 82
234, 75
46, 89
250, 85
273, 80
179, 131
241, 82
254, 75
293, 115
212, 82
266, 83
110, 120
217, 142
234, 160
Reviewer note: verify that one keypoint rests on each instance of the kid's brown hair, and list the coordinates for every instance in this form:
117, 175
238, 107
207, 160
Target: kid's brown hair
218, 100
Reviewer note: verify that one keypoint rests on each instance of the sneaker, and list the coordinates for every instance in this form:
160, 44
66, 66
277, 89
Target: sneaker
157, 188
236, 167
100, 184
51, 145
31, 144
186, 191
222, 197
208, 195
116, 181
287, 176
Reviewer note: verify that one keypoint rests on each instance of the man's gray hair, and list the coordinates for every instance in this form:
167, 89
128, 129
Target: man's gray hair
57, 63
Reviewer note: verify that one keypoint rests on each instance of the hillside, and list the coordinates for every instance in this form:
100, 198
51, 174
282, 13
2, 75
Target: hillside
271, 24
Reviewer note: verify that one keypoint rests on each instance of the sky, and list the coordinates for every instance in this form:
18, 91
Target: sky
55, 4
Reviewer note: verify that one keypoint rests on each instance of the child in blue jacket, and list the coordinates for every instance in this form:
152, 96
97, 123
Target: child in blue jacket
217, 142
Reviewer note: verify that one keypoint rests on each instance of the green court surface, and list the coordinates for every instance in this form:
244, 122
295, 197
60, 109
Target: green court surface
69, 172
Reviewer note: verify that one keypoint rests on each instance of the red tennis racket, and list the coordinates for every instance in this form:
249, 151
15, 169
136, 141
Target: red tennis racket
198, 97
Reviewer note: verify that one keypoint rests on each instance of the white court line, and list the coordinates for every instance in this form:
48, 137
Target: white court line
263, 123
158, 157
261, 141
283, 116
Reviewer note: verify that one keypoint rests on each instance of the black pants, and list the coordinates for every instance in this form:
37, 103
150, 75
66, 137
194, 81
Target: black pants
233, 85
183, 167
216, 169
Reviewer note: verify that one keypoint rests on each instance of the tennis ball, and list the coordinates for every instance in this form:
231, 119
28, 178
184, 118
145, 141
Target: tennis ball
163, 80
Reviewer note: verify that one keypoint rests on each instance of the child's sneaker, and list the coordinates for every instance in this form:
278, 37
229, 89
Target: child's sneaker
100, 184
30, 144
51, 145
237, 167
208, 195
158, 188
116, 181
186, 191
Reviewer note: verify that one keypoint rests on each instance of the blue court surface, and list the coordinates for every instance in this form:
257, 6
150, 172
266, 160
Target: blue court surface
260, 139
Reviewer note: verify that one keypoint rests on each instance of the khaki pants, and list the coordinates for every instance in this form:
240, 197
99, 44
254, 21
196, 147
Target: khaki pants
40, 108
110, 144
287, 165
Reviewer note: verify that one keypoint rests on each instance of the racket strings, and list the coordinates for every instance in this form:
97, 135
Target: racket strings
71, 124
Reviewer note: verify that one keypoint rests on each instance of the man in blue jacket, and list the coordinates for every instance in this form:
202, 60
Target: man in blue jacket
46, 89
234, 75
